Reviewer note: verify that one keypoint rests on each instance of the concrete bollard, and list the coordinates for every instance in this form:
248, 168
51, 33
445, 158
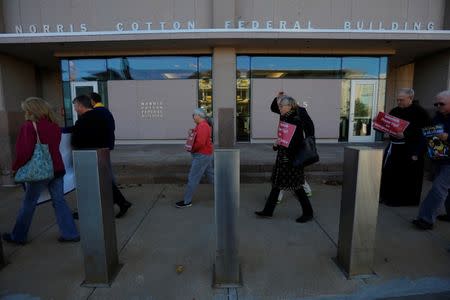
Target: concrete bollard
227, 271
2, 255
96, 212
359, 210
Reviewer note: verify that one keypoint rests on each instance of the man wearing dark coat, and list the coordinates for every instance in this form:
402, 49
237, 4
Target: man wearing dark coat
402, 172
95, 129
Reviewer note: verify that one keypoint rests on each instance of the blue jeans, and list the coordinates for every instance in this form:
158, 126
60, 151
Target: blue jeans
64, 218
201, 164
436, 196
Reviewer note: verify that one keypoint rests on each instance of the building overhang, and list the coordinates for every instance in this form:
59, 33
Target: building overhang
44, 49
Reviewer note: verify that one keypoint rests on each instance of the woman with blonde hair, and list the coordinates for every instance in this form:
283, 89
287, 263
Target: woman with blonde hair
42, 121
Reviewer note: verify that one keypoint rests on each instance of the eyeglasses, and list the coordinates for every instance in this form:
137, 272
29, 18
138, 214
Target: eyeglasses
437, 104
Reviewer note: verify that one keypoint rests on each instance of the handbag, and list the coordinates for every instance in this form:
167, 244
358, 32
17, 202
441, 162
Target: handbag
39, 167
307, 154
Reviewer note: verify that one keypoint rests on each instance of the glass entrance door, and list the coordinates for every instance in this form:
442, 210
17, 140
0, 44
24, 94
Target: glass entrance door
82, 88
362, 110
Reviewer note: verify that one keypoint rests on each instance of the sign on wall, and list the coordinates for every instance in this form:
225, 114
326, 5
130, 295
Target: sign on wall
152, 109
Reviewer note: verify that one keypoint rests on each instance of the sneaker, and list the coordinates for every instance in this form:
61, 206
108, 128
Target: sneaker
181, 204
262, 214
63, 240
422, 224
7, 238
445, 218
304, 219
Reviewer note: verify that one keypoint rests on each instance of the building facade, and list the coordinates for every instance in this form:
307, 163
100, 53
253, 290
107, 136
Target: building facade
154, 61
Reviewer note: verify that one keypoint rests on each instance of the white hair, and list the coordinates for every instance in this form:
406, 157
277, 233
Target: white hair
406, 91
444, 94
200, 112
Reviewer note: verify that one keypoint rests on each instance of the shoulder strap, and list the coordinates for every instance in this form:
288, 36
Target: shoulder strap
37, 134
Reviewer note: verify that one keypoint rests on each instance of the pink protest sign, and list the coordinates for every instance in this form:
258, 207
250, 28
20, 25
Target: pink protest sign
190, 140
386, 123
285, 133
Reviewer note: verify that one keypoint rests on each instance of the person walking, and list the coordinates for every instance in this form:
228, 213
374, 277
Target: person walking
202, 157
403, 161
41, 125
439, 193
95, 129
286, 176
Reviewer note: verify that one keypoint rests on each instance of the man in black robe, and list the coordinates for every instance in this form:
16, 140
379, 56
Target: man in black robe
402, 172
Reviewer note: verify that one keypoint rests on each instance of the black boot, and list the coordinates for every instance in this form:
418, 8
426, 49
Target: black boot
271, 202
308, 213
120, 200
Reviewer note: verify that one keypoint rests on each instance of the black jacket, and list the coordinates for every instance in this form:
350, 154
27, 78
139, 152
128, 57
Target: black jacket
417, 118
301, 119
93, 130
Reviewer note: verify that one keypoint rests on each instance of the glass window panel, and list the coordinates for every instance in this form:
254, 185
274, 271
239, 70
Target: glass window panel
360, 67
383, 67
68, 118
295, 67
162, 67
243, 66
103, 91
88, 69
118, 69
364, 94
65, 70
205, 95
344, 111
205, 66
243, 129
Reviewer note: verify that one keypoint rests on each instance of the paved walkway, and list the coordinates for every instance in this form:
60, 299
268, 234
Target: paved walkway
280, 258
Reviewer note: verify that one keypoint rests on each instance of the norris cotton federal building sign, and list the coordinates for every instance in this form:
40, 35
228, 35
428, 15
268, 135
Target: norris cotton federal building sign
239, 25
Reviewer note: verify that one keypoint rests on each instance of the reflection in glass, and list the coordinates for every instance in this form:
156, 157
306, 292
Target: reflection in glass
344, 111
243, 129
243, 98
65, 70
68, 118
205, 95
364, 94
295, 67
360, 67
205, 67
161, 67
205, 84
383, 67
88, 70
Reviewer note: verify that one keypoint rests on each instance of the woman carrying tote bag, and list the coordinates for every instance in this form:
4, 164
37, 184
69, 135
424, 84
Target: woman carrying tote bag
286, 175
41, 125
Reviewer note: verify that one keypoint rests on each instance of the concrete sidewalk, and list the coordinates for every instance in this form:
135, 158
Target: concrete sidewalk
280, 259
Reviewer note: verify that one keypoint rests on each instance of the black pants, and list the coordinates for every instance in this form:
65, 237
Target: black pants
272, 200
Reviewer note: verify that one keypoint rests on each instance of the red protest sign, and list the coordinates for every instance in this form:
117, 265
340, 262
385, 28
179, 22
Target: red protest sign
285, 133
386, 123
190, 140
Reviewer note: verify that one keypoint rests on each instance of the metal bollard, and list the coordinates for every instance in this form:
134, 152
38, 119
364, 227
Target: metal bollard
227, 271
359, 210
2, 256
96, 211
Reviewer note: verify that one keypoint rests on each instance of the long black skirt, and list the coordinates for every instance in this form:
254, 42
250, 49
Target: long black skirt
401, 179
284, 175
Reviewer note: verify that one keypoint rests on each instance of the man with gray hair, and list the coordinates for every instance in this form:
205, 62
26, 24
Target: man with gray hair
439, 192
202, 156
402, 172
